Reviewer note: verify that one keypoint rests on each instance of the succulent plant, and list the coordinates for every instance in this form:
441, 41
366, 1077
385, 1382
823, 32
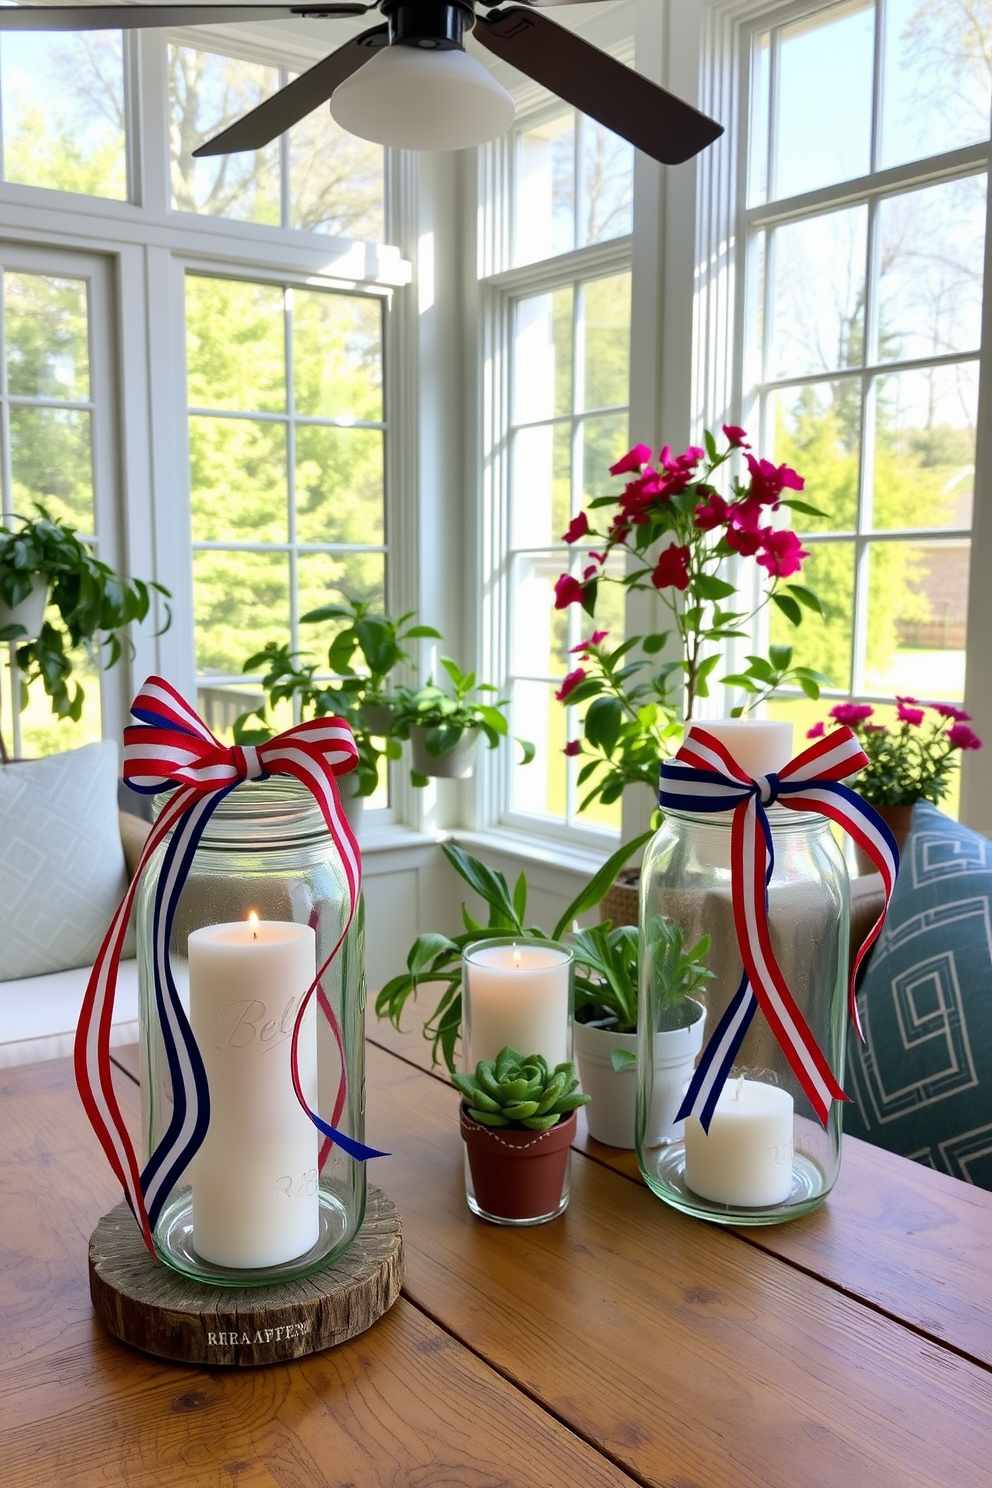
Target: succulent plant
512, 1090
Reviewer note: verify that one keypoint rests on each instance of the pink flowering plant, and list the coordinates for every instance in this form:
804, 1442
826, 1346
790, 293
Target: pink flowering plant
911, 760
674, 530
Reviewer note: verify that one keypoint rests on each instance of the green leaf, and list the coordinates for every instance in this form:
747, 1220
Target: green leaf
652, 644
520, 897
426, 949
809, 687
806, 597
802, 506
790, 609
781, 657
603, 723
708, 586
710, 443
737, 679
622, 1059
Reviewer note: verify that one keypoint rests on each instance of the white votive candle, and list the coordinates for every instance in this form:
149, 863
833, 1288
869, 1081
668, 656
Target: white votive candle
746, 1157
759, 745
517, 996
255, 1200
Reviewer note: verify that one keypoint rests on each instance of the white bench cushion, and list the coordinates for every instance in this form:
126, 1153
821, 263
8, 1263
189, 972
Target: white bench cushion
38, 1015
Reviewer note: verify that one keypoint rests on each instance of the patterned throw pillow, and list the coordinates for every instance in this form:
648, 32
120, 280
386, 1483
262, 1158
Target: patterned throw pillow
61, 861
921, 1084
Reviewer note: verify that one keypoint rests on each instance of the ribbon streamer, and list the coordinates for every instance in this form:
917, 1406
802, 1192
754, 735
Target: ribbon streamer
705, 778
171, 749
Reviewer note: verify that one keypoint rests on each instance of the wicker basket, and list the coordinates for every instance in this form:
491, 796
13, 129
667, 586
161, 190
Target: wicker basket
621, 903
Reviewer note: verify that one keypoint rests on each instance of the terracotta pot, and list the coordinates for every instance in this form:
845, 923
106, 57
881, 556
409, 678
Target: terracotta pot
456, 764
899, 820
30, 613
517, 1177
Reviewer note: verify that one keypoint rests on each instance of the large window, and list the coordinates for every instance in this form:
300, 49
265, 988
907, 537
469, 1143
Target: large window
865, 259
561, 309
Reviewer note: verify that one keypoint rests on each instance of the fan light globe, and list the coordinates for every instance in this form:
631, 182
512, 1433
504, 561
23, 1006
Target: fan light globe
423, 100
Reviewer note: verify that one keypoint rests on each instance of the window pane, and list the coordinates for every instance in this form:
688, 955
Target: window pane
235, 345
329, 578
602, 441
931, 263
539, 789
64, 112
604, 329
51, 461
339, 484
924, 464
539, 634
606, 184
757, 190
818, 293
542, 357
823, 129
817, 430
337, 355
936, 90
207, 92
917, 612
47, 338
545, 190
240, 601
238, 480
336, 182
829, 572
41, 732
541, 485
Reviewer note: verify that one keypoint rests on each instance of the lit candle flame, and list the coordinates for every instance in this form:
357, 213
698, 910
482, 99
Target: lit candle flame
253, 922
516, 957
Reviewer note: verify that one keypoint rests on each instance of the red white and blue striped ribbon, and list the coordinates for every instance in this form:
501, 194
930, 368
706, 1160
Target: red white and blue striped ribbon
171, 749
704, 777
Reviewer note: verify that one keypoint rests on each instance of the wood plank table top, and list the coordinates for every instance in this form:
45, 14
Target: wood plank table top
623, 1343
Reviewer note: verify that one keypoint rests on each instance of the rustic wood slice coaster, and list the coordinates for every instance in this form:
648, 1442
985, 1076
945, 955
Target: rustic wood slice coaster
157, 1310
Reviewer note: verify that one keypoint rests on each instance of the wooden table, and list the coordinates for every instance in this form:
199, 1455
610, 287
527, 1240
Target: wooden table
621, 1344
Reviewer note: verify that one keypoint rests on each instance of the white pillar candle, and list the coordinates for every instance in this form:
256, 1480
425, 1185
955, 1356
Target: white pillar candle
517, 995
759, 745
746, 1157
255, 1200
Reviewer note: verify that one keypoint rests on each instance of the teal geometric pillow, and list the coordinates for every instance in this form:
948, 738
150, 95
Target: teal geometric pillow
921, 1084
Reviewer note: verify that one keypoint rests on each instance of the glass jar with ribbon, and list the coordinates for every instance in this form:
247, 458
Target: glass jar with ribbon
250, 942
746, 865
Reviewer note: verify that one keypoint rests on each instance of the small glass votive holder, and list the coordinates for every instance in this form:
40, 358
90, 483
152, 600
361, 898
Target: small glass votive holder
517, 994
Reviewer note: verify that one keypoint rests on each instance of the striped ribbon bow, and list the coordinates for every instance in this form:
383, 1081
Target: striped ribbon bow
171, 749
704, 777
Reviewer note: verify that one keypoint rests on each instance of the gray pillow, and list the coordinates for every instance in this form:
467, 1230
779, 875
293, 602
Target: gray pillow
61, 861
922, 1081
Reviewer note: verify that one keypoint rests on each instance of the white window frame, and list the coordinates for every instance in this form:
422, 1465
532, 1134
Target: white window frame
719, 393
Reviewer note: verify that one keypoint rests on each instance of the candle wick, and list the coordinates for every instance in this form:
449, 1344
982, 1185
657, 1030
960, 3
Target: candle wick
738, 1088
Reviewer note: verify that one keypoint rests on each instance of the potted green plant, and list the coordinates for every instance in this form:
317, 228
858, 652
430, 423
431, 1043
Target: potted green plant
380, 641
910, 760
435, 960
608, 969
517, 1121
444, 726
56, 596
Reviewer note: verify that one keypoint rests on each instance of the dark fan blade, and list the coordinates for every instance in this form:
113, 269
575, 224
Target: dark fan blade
298, 98
655, 121
127, 17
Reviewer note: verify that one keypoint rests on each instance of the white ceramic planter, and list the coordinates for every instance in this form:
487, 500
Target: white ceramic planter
611, 1112
457, 764
30, 612
377, 718
354, 804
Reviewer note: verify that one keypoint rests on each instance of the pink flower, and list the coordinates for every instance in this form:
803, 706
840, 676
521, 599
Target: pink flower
711, 513
960, 736
578, 527
589, 573
743, 538
913, 702
909, 715
568, 591
816, 732
736, 435
783, 554
672, 569
768, 481
596, 639
633, 460
570, 683
680, 464
572, 748
851, 712
948, 710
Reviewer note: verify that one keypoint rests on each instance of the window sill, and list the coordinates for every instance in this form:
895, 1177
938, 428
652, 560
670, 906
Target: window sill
546, 851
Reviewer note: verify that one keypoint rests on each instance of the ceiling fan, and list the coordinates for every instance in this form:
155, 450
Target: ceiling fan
408, 81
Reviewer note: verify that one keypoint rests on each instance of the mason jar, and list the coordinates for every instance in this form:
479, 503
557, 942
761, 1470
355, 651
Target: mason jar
767, 1157
266, 1197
